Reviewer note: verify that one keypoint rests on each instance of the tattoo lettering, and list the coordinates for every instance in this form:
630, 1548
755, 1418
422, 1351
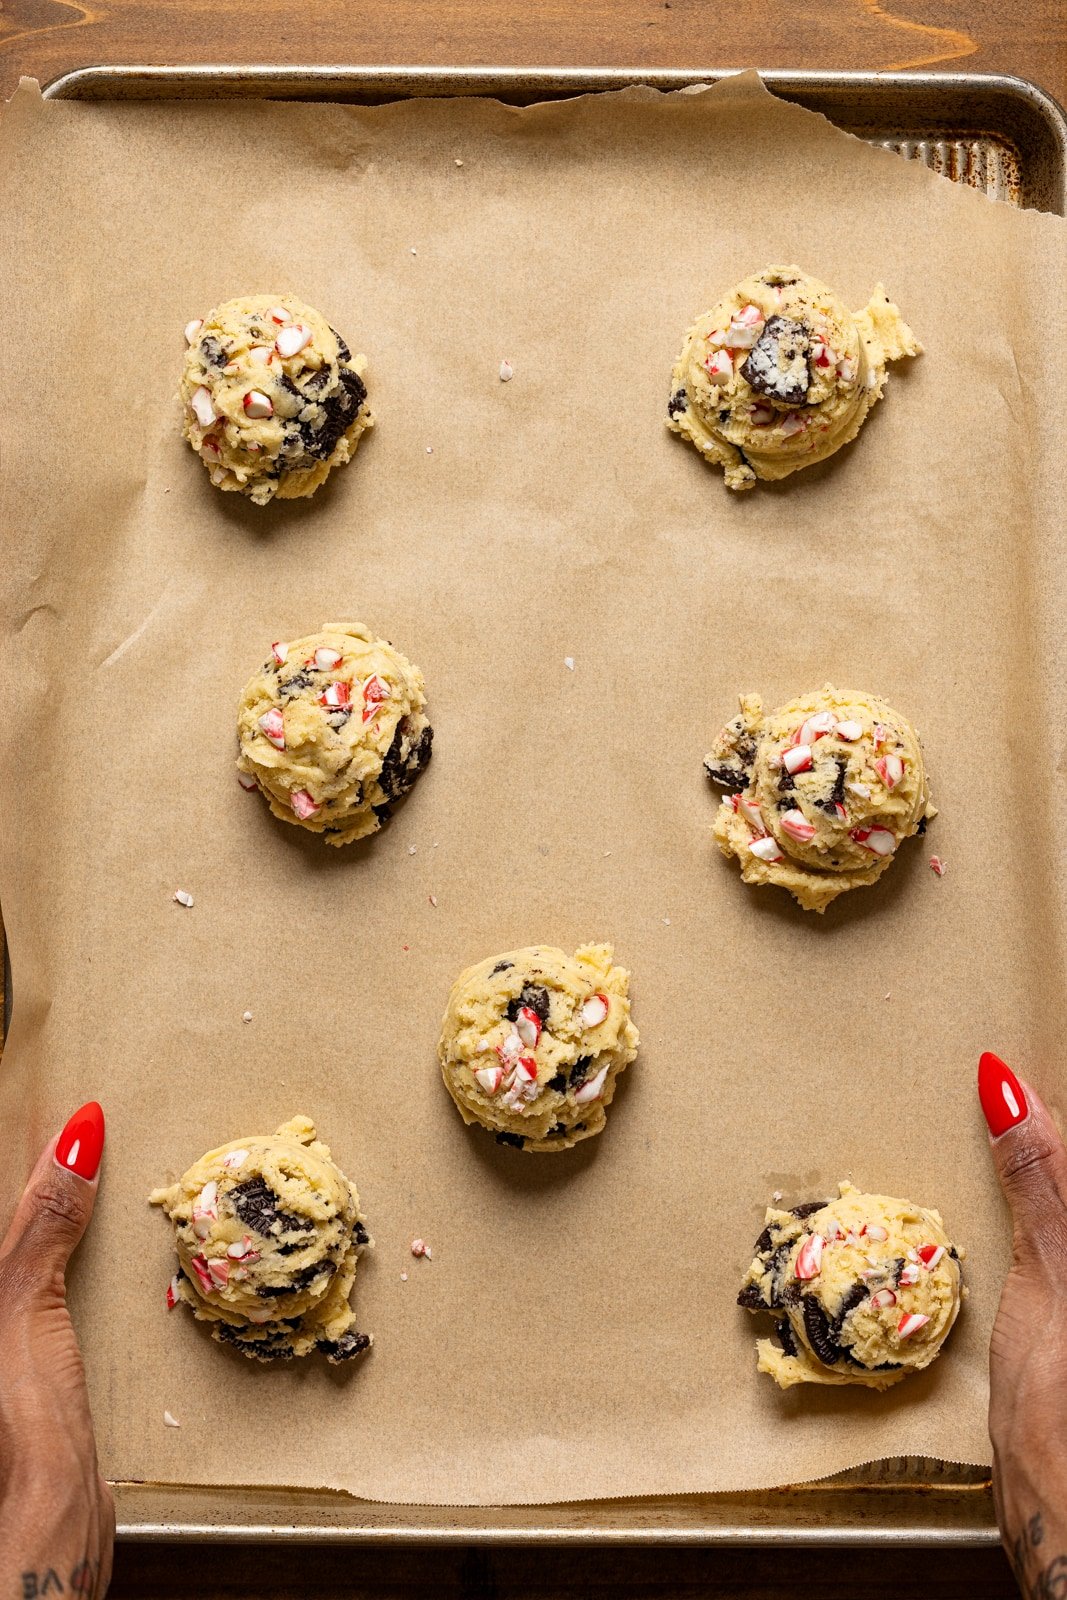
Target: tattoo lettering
82, 1579
1050, 1583
36, 1585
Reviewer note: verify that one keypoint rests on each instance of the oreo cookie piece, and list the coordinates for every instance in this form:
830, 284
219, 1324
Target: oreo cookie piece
778, 363
259, 1208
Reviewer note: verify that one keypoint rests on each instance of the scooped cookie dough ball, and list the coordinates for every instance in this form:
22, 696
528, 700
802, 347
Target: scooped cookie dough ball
864, 1289
332, 731
533, 1042
268, 1232
822, 792
779, 375
273, 398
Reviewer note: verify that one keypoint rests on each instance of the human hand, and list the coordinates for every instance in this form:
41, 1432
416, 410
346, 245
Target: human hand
1028, 1351
57, 1519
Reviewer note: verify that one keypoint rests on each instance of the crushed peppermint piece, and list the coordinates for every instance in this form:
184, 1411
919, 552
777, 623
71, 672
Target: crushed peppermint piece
930, 1255
273, 726
457, 162
594, 1011
874, 1230
260, 355
809, 1257
890, 769
246, 780
374, 692
528, 1025
203, 409
879, 841
326, 659
174, 1291
192, 329
292, 339
767, 848
797, 826
815, 727
257, 404
246, 1016
591, 1089
414, 252
910, 1323
303, 804
937, 865
909, 1275
403, 1277
798, 759
412, 849
719, 367
883, 1298
507, 371
666, 922
199, 1266
234, 1159
433, 901
183, 897
751, 812
792, 423
279, 315
419, 1247
568, 662
761, 416
776, 1196
429, 449
849, 730
170, 1421
489, 1078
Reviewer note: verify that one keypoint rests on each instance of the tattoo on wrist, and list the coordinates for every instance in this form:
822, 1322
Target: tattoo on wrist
1038, 1578
41, 1583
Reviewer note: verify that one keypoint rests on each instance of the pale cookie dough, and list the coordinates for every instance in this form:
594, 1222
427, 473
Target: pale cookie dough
864, 1289
779, 375
268, 1232
331, 729
823, 791
272, 397
533, 1042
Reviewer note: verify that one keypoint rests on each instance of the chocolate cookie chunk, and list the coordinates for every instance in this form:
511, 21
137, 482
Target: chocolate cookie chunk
778, 365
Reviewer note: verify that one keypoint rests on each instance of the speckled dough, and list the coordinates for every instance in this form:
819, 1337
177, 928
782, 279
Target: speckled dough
864, 1288
332, 730
268, 1232
267, 418
779, 375
823, 791
533, 1042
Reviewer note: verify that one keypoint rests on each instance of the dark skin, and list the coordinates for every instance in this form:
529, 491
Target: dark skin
57, 1519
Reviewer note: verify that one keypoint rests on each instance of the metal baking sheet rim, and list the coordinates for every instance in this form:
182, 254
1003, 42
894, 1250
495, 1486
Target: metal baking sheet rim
846, 1511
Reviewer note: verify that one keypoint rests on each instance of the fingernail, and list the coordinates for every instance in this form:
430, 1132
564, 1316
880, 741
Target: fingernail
1003, 1102
81, 1144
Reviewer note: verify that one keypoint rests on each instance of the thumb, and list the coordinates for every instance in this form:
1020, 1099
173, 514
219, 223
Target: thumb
59, 1198
1028, 1153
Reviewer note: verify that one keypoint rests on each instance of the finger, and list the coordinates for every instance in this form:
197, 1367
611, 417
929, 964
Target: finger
1028, 1152
58, 1200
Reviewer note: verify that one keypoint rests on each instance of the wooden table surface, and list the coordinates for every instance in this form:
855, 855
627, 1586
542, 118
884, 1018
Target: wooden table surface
43, 38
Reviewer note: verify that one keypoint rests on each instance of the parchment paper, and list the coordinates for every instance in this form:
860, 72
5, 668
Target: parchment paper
575, 1334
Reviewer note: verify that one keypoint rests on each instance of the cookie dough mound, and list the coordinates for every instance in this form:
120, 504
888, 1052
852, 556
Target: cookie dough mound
864, 1288
779, 375
533, 1042
273, 399
823, 791
332, 730
268, 1232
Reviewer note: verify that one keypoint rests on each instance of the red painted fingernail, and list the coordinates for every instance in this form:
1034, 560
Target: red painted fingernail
1003, 1102
81, 1144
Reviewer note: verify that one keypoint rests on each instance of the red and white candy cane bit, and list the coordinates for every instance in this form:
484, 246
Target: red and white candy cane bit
336, 694
279, 315
489, 1078
761, 416
821, 355
192, 329
174, 1291
280, 651
528, 1026
766, 849
910, 1323
850, 730
930, 1255
419, 1248
200, 1267
890, 769
841, 812
809, 1257
815, 727
242, 1249
211, 444
797, 826
303, 804
260, 354
797, 759
220, 1272
846, 369
792, 424
909, 1275
883, 1298
233, 1160
509, 1049
751, 812
879, 733
749, 315
374, 692
326, 659
874, 1230
594, 1010
879, 841
293, 338
257, 404
203, 408
273, 726
937, 865
719, 367
246, 780
592, 1089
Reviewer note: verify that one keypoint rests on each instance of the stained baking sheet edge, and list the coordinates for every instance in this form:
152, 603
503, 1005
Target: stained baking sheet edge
900, 1502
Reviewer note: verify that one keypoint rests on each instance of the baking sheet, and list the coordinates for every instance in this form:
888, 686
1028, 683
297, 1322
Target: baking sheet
575, 1335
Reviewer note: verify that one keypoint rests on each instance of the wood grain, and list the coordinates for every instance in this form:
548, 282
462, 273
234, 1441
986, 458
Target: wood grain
44, 38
